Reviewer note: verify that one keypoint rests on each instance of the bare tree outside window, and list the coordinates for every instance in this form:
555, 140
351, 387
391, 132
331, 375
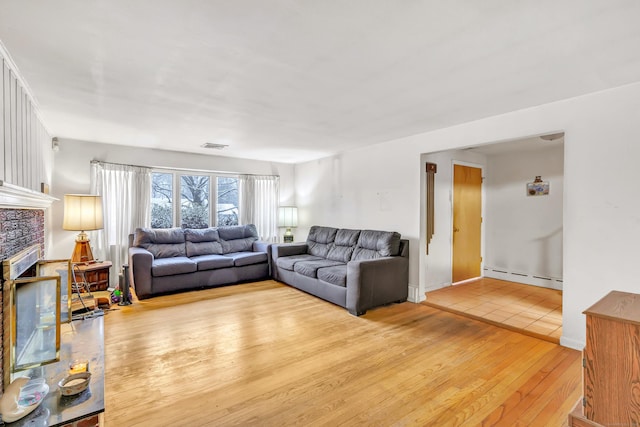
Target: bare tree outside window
161, 200
194, 201
227, 203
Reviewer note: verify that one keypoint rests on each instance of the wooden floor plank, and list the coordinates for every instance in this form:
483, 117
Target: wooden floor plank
267, 354
540, 382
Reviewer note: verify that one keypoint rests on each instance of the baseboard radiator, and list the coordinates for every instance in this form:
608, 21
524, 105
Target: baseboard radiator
525, 278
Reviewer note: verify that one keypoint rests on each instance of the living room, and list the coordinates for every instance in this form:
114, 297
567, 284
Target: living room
368, 172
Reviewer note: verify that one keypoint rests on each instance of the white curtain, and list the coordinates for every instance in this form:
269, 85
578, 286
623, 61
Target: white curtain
258, 203
126, 202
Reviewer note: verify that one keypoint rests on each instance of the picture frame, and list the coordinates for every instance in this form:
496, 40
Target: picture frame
538, 188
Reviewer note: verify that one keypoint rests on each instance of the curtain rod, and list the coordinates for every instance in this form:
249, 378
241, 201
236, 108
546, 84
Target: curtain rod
182, 169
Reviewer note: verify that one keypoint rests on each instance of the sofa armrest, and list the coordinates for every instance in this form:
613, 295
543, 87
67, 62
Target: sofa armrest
375, 282
140, 261
284, 250
288, 249
260, 246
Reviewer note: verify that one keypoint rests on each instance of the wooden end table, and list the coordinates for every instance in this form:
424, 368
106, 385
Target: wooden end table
96, 274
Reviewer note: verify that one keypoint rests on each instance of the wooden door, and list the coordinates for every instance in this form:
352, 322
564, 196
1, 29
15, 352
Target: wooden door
467, 222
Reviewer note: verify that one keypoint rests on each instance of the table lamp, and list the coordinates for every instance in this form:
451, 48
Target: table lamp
288, 217
82, 212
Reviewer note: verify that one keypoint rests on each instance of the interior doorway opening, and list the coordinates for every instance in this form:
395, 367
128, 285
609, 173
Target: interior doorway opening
521, 241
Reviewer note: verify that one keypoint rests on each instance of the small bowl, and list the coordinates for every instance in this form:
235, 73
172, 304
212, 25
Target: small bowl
74, 383
33, 392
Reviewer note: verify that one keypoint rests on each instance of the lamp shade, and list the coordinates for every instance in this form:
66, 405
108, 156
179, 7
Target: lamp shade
287, 216
82, 212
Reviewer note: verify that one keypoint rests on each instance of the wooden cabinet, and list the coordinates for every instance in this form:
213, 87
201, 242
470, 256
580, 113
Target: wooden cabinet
95, 274
611, 372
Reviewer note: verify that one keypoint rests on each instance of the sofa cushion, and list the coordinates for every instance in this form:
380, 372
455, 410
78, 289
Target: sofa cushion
232, 232
247, 258
336, 275
289, 262
212, 262
237, 238
376, 244
310, 268
237, 245
320, 240
203, 241
171, 266
203, 248
343, 245
161, 242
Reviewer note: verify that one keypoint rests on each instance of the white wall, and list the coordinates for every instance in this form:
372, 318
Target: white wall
71, 174
524, 234
361, 189
601, 210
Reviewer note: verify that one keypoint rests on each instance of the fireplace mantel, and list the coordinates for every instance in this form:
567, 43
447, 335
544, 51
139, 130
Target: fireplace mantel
15, 197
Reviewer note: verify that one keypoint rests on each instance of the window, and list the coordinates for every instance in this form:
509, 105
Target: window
161, 200
227, 206
204, 200
194, 201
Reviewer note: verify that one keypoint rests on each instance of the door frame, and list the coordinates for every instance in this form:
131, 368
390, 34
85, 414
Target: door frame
483, 211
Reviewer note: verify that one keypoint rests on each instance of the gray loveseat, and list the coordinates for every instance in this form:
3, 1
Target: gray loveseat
355, 269
174, 259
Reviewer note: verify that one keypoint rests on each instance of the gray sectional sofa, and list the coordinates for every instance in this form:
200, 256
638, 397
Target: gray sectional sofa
355, 269
174, 259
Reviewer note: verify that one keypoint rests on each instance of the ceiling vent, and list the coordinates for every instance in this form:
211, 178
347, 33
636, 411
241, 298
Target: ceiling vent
213, 146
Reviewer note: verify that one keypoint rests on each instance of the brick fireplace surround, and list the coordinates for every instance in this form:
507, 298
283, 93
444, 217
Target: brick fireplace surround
19, 228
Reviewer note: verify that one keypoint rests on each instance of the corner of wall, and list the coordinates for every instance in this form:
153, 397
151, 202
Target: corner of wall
572, 343
415, 295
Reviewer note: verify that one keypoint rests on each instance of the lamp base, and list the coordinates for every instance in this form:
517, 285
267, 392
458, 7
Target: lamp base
288, 236
82, 252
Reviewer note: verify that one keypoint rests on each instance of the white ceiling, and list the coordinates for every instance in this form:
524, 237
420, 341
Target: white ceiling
291, 81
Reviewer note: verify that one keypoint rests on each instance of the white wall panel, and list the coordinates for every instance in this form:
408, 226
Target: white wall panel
6, 122
19, 147
2, 168
29, 146
13, 129
24, 142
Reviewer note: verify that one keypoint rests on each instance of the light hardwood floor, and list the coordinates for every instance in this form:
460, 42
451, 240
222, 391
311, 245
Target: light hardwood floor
267, 354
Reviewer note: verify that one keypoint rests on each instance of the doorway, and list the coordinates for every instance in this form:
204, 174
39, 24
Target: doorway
520, 237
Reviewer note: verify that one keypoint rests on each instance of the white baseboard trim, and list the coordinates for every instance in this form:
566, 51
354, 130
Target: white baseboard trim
415, 295
571, 343
436, 287
526, 279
